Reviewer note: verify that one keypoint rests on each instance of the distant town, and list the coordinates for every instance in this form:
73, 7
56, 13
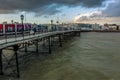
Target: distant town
19, 27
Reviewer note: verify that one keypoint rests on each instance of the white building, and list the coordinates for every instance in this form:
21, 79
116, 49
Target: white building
96, 26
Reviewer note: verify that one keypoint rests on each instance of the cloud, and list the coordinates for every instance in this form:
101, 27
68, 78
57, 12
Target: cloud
112, 9
43, 7
88, 16
111, 13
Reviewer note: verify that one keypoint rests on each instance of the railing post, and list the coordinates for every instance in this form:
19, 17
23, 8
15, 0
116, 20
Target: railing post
6, 37
16, 47
1, 63
15, 35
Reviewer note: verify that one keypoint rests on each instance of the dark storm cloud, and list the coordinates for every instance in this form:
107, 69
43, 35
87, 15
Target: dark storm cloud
113, 9
41, 7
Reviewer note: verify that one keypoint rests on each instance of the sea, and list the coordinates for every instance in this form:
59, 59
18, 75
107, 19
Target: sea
91, 56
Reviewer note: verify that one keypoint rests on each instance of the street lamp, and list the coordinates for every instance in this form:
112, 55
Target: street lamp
22, 18
52, 24
12, 21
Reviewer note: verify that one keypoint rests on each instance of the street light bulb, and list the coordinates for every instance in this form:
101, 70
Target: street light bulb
22, 17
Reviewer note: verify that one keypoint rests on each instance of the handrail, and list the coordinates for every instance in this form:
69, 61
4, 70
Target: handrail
16, 40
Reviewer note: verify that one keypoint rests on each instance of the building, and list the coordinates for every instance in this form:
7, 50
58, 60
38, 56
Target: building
83, 26
111, 27
96, 26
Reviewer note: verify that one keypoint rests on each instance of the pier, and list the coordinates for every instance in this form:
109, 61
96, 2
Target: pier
16, 43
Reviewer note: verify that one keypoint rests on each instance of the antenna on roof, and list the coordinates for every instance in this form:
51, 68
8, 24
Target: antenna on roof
57, 20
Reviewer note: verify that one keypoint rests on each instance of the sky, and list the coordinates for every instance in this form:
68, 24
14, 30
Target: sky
66, 11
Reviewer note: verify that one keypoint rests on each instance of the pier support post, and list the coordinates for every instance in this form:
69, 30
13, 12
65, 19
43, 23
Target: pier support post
60, 40
72, 34
1, 63
64, 37
36, 45
44, 40
16, 47
79, 33
49, 44
51, 40
26, 47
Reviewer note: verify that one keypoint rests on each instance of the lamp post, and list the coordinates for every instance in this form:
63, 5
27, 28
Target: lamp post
22, 18
5, 31
12, 21
52, 24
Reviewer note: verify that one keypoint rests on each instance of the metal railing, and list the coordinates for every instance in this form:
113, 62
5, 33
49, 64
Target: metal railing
9, 37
